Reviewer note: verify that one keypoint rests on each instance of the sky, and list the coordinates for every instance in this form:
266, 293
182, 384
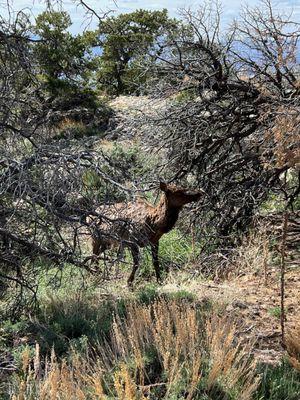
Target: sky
230, 8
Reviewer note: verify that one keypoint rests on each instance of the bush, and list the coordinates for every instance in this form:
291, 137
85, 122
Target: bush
185, 96
162, 351
70, 129
182, 295
84, 116
74, 321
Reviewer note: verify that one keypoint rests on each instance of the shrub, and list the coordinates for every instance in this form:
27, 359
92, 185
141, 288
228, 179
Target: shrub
162, 351
275, 312
185, 96
70, 129
74, 321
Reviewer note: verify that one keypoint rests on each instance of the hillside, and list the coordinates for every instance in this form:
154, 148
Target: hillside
242, 290
149, 204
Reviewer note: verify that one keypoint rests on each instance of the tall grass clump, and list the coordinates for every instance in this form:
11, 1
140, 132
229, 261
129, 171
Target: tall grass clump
253, 254
282, 381
279, 382
293, 346
165, 350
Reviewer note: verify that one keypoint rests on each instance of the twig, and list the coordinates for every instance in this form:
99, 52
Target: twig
282, 276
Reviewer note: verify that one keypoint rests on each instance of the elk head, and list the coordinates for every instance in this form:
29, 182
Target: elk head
178, 196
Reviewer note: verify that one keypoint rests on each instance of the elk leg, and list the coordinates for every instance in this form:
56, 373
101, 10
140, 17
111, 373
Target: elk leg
135, 256
154, 249
98, 247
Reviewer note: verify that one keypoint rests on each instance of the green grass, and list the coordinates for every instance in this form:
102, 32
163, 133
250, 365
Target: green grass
80, 322
275, 312
63, 323
147, 294
77, 319
182, 295
79, 132
281, 382
150, 293
175, 251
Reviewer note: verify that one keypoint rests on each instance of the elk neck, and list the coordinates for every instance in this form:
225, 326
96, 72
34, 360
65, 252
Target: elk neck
165, 215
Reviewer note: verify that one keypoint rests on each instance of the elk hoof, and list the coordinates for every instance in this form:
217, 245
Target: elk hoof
130, 283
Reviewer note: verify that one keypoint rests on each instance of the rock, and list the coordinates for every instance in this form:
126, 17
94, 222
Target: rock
229, 308
239, 304
268, 356
255, 311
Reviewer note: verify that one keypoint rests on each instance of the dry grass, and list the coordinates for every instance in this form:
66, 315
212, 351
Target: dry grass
229, 363
68, 123
293, 345
163, 351
254, 252
283, 137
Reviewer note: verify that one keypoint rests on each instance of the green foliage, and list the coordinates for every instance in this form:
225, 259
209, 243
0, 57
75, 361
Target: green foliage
126, 164
14, 339
69, 95
78, 131
176, 247
273, 204
11, 332
175, 250
281, 382
126, 39
275, 312
185, 95
86, 115
60, 55
65, 323
164, 347
182, 295
132, 161
72, 320
65, 63
80, 325
148, 294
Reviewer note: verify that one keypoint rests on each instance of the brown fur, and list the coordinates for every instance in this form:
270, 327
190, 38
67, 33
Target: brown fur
138, 224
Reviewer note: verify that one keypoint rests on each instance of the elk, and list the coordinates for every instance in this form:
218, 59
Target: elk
139, 224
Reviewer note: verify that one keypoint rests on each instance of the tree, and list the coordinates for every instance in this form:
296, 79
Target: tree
61, 56
241, 100
65, 66
45, 186
126, 40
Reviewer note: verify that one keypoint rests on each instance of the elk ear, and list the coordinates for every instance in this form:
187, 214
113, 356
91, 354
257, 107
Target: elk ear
163, 186
200, 194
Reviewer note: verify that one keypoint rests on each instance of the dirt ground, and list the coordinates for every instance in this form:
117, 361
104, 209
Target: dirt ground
254, 303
